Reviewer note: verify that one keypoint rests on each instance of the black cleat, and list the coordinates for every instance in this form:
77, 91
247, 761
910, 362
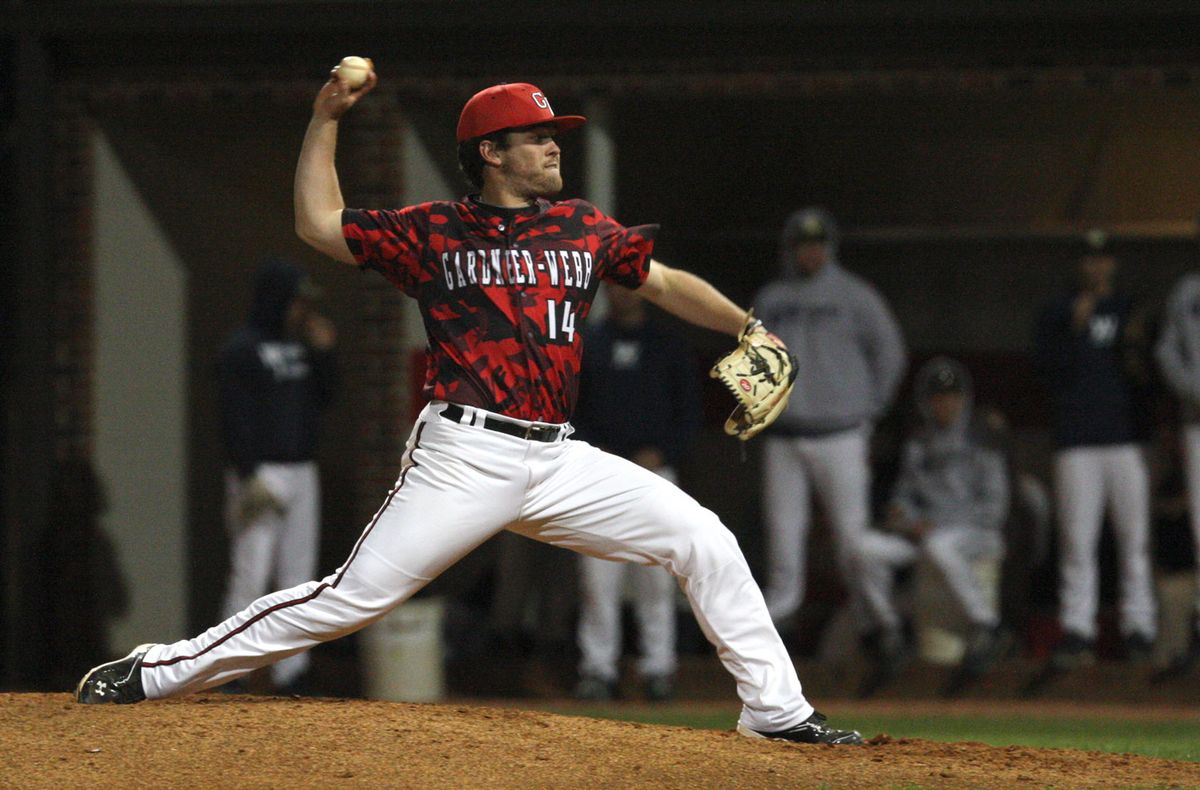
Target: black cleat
811, 730
1072, 653
1183, 664
986, 645
595, 689
658, 688
1180, 666
118, 682
1139, 649
893, 654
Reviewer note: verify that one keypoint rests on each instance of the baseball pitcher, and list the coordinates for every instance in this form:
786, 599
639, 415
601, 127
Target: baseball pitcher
504, 279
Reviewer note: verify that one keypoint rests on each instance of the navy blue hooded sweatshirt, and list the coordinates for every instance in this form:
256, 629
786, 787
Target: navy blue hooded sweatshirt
637, 389
273, 387
1096, 399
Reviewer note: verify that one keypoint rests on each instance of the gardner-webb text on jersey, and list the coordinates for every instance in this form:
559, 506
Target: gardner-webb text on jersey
499, 266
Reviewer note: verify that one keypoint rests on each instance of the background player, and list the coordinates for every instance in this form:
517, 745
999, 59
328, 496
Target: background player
850, 359
631, 360
277, 374
1087, 356
1178, 354
503, 279
949, 504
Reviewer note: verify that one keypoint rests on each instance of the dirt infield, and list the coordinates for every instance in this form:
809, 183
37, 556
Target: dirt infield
243, 741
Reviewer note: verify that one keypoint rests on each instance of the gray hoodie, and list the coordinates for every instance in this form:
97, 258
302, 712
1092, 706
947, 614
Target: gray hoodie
951, 476
1178, 350
850, 351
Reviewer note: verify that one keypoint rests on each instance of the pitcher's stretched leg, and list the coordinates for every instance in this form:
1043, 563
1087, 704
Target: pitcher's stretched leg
424, 526
629, 513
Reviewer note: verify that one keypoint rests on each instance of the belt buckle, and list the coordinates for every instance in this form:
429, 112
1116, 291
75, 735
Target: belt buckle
529, 430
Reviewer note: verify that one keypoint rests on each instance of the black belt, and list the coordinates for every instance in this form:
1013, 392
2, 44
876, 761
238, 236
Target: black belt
535, 433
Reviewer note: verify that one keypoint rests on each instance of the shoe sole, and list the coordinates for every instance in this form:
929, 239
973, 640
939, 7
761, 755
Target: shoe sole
83, 682
742, 729
745, 731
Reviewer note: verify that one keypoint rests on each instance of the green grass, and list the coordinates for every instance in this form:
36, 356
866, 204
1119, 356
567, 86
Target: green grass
1171, 739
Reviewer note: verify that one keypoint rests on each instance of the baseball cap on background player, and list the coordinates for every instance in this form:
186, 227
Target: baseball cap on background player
1096, 241
941, 376
944, 376
510, 105
810, 224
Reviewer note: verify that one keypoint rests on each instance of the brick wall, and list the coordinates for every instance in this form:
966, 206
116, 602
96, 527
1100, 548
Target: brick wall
376, 361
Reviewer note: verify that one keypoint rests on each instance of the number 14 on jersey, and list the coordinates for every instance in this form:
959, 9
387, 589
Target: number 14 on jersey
560, 321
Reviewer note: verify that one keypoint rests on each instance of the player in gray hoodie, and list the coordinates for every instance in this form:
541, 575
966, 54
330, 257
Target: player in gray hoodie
949, 505
851, 357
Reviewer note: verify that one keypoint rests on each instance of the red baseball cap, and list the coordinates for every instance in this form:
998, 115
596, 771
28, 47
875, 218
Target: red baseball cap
509, 105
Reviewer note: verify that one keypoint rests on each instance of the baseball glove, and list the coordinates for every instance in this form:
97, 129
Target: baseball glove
256, 501
760, 373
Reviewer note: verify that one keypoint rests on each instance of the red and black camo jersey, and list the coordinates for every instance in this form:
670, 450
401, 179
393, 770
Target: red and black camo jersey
503, 294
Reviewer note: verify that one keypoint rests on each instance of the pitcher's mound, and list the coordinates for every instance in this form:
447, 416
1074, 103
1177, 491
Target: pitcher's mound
234, 741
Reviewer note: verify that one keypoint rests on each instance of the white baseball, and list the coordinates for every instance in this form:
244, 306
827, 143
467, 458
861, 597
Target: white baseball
353, 70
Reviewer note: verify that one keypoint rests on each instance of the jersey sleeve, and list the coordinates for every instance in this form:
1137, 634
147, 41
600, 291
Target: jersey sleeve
624, 253
388, 241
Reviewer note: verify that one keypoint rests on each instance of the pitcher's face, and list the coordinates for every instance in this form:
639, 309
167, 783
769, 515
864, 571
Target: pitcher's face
530, 164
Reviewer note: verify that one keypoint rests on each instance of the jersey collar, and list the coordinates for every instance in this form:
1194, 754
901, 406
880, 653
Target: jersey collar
496, 214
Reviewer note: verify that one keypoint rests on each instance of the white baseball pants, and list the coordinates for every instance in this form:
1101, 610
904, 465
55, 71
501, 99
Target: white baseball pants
1191, 460
836, 467
1086, 480
953, 550
459, 485
601, 583
277, 549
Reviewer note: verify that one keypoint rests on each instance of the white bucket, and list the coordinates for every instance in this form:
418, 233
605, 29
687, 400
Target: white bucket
941, 627
403, 653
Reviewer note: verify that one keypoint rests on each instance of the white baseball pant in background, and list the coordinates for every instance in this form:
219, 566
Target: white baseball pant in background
459, 485
953, 549
836, 466
602, 583
1191, 459
1086, 480
278, 549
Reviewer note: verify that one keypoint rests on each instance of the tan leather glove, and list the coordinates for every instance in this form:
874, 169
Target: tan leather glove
256, 501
